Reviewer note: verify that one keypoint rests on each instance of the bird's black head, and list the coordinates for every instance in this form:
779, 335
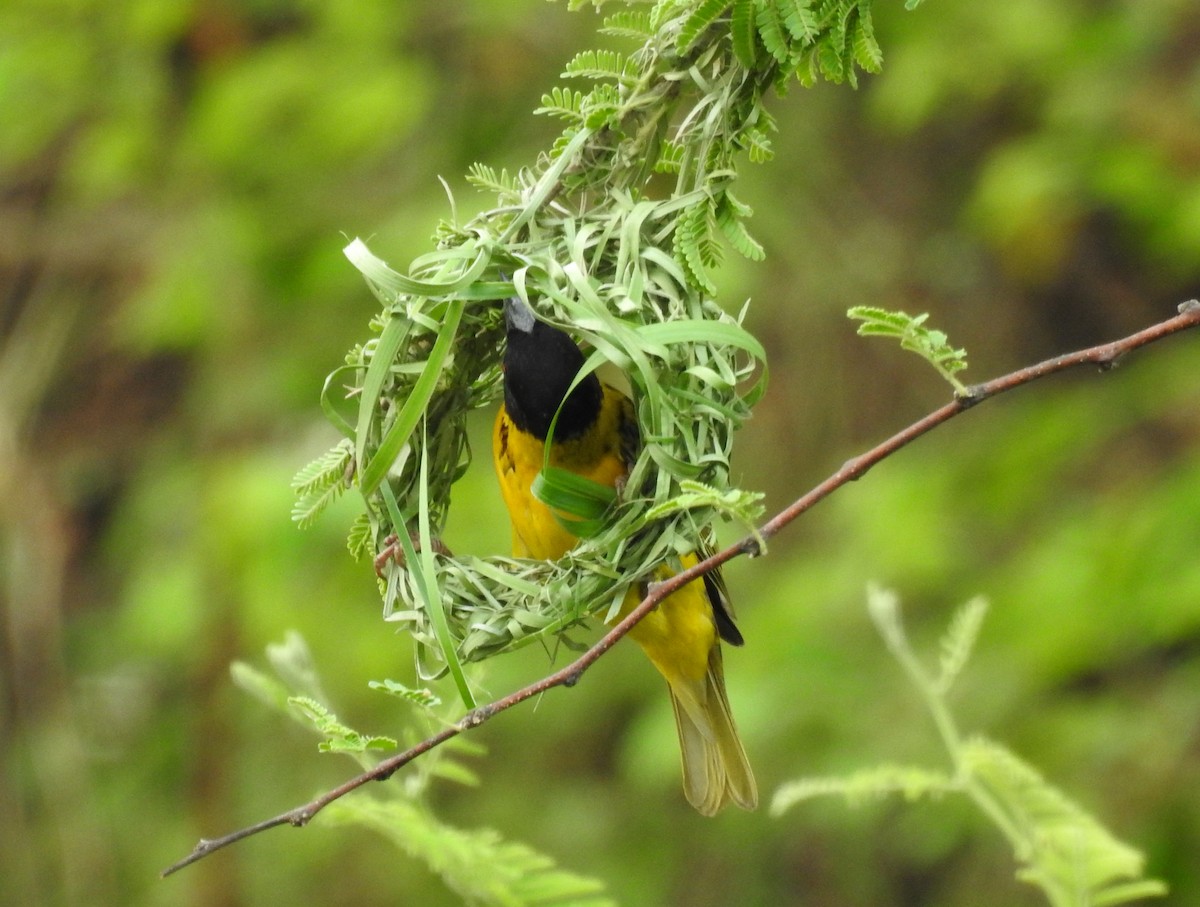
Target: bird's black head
540, 362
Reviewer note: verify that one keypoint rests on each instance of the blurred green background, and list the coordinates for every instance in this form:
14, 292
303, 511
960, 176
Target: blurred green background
176, 183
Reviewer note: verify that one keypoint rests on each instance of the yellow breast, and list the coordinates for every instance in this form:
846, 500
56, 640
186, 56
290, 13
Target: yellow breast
519, 457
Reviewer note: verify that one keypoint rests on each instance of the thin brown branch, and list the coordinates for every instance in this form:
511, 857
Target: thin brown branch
1104, 356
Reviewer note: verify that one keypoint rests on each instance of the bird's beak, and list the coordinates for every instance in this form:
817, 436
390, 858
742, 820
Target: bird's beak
518, 316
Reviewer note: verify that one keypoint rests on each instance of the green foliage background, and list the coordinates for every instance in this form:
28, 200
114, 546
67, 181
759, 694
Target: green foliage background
175, 183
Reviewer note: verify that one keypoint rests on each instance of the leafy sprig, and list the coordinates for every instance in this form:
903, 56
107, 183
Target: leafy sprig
1059, 847
479, 864
338, 737
321, 482
931, 345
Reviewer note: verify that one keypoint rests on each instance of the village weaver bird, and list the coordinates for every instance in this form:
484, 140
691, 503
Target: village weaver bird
596, 436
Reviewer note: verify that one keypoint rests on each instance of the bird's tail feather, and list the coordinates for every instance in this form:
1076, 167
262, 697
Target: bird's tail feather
715, 768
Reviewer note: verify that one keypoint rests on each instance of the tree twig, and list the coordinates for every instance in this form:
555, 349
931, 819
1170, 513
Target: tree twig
1104, 356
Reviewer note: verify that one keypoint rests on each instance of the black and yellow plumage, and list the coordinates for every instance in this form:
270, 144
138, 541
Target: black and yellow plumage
596, 436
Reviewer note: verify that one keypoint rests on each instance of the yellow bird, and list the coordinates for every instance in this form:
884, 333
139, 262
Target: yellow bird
596, 436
